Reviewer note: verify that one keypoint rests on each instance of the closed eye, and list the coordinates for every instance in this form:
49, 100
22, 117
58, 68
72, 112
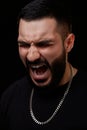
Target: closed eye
41, 44
23, 44
44, 44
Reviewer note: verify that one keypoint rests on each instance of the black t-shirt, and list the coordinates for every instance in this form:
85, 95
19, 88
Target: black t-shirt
15, 106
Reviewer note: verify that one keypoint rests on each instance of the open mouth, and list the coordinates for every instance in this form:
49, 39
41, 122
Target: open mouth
39, 72
39, 69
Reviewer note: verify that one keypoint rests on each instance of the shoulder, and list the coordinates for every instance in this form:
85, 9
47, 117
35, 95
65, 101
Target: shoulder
17, 84
13, 96
15, 89
81, 75
80, 81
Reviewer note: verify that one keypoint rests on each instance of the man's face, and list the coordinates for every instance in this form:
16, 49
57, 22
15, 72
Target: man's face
42, 51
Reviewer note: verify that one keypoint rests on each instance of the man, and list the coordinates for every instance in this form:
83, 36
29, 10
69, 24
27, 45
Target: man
53, 93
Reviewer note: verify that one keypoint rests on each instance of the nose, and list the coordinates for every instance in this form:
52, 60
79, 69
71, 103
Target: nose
33, 54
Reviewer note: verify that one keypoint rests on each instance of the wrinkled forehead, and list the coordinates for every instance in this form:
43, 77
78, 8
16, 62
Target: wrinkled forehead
37, 29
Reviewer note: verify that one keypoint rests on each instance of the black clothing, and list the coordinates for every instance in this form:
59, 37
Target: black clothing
14, 106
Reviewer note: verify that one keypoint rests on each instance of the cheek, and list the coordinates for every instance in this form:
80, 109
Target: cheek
52, 53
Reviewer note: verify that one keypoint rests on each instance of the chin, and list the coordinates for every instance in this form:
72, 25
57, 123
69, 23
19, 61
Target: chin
42, 84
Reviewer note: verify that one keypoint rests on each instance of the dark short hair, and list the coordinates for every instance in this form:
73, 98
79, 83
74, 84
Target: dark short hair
38, 9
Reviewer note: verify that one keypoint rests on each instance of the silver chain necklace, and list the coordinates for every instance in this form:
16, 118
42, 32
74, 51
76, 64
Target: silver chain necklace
57, 108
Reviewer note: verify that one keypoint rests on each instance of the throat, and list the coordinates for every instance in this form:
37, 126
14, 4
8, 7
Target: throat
50, 91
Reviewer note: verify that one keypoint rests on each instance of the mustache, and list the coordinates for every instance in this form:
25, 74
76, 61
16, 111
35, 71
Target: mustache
37, 62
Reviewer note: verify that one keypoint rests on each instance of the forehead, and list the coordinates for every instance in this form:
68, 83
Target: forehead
37, 29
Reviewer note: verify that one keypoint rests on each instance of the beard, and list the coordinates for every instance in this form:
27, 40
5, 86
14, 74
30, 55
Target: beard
57, 68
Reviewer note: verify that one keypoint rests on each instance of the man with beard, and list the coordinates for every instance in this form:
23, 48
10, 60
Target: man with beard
53, 93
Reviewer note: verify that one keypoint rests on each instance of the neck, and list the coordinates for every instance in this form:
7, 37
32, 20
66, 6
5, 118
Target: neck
67, 75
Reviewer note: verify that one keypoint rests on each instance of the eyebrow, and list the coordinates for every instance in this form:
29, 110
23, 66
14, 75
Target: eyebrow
22, 42
44, 41
40, 42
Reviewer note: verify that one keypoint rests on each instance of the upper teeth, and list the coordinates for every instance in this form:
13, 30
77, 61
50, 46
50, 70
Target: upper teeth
36, 66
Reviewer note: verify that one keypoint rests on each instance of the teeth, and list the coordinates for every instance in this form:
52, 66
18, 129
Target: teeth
37, 66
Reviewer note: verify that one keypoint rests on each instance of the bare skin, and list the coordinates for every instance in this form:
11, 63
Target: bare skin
40, 40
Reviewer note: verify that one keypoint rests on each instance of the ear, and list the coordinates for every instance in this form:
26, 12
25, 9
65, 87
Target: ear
69, 42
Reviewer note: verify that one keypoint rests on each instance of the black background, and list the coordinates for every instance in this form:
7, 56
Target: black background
11, 67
